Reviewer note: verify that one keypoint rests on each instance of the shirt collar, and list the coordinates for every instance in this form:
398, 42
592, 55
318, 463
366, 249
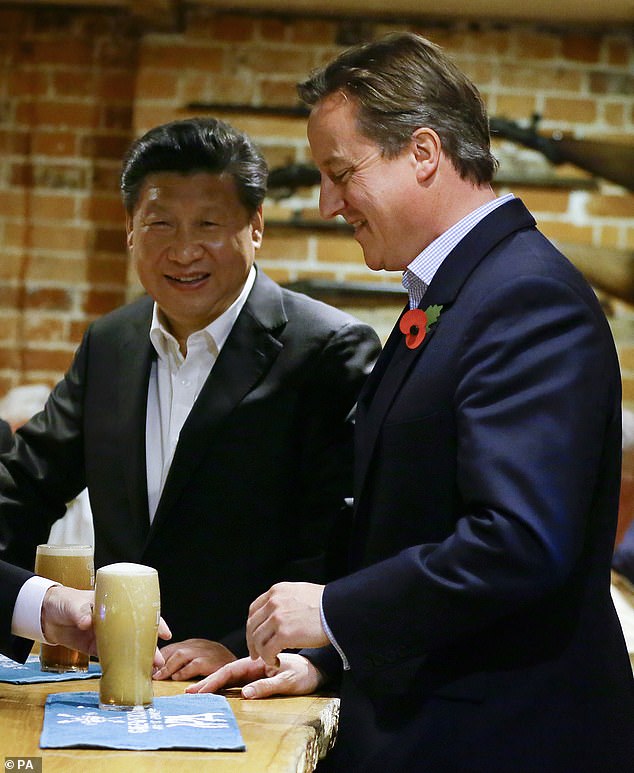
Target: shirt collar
419, 273
213, 336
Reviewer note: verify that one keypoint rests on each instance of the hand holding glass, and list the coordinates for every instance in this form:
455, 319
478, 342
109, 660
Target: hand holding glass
70, 565
127, 615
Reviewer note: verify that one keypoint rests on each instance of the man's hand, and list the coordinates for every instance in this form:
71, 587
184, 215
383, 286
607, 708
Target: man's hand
295, 675
193, 657
287, 616
67, 618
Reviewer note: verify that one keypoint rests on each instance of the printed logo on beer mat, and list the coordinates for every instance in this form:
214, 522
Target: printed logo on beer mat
29, 672
202, 721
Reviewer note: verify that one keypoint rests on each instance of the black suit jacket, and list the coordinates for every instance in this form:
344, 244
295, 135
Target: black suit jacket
477, 617
6, 436
12, 578
262, 466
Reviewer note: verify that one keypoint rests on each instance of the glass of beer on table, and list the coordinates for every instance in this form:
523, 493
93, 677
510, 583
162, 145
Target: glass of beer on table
70, 565
127, 614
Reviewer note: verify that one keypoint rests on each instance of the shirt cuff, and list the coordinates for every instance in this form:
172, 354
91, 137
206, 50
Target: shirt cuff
27, 612
330, 635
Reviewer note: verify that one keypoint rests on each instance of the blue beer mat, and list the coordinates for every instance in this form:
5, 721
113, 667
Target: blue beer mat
27, 673
201, 721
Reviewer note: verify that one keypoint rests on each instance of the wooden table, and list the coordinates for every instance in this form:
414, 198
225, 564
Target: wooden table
282, 735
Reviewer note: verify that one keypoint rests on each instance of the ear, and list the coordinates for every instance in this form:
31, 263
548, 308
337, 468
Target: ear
427, 149
257, 228
129, 229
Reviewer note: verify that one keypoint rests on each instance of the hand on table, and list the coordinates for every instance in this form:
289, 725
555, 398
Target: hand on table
192, 657
287, 616
295, 675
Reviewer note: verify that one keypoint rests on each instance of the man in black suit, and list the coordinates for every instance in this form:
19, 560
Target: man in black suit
475, 631
212, 419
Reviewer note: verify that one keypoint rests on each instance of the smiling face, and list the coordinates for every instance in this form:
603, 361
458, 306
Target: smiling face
192, 242
379, 196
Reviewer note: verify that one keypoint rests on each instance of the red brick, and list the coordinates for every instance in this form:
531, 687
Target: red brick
107, 270
104, 208
10, 357
110, 240
53, 207
27, 83
102, 301
46, 360
58, 114
15, 141
177, 54
55, 143
570, 110
581, 48
47, 298
59, 237
105, 145
536, 46
43, 328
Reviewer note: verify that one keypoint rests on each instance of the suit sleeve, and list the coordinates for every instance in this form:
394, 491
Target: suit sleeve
12, 578
318, 521
536, 415
321, 518
44, 470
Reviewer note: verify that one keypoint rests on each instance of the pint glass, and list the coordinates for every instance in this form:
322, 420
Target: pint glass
127, 614
70, 565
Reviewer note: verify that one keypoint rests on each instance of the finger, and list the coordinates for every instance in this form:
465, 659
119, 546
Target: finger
159, 660
164, 630
85, 621
172, 661
254, 625
191, 670
237, 672
264, 688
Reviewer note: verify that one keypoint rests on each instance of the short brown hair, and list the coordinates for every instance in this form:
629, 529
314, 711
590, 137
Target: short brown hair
403, 82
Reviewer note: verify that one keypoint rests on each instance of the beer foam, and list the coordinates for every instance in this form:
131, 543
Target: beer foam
64, 550
125, 568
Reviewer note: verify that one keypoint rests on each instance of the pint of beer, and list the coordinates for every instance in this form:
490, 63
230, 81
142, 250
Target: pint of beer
127, 614
70, 565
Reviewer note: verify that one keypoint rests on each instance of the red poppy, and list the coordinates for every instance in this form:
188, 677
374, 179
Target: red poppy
414, 325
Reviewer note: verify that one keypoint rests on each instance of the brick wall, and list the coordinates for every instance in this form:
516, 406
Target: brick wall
76, 86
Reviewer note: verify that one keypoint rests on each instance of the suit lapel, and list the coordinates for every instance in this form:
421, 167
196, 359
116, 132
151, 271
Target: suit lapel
136, 360
396, 360
248, 354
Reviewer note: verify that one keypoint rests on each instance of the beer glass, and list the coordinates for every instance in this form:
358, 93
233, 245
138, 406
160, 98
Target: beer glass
126, 616
70, 565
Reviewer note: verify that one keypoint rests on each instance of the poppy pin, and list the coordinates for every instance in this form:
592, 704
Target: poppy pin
415, 323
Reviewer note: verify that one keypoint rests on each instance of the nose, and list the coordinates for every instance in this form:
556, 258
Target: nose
185, 249
330, 200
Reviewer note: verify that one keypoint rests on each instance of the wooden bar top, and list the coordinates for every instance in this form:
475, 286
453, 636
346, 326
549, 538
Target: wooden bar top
282, 735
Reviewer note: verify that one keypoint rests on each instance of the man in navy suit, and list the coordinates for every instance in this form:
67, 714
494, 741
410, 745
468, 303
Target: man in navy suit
475, 630
212, 419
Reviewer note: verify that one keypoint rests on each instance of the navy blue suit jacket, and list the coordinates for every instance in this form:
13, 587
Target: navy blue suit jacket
477, 616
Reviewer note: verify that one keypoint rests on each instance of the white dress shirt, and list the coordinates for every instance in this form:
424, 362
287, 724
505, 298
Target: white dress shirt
27, 612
